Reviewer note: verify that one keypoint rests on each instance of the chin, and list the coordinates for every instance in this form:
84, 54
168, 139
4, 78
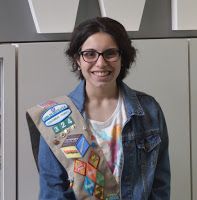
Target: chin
103, 84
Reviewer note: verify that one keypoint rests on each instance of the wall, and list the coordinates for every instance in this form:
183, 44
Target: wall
16, 22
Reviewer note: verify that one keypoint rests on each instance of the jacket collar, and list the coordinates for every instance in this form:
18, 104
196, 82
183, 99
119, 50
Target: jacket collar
78, 96
131, 101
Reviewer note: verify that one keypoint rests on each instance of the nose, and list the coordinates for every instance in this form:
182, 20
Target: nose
101, 61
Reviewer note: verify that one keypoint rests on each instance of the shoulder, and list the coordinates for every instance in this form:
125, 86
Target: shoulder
44, 105
147, 100
152, 109
141, 101
47, 108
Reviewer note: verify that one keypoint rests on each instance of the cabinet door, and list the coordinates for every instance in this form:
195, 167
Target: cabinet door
43, 73
161, 70
193, 87
7, 123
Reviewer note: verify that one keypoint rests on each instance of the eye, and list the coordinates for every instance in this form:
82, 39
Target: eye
89, 54
111, 53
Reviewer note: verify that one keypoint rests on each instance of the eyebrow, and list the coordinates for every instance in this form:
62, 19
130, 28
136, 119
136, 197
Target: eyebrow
98, 51
89, 50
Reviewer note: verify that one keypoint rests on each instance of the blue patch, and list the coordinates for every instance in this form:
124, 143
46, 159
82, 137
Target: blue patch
93, 145
113, 197
89, 186
82, 145
55, 114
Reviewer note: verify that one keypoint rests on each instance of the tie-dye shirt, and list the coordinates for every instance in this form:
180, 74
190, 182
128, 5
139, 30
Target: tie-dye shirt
108, 136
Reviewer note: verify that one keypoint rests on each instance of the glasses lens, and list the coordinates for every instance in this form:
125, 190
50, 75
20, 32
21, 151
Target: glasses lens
111, 55
89, 56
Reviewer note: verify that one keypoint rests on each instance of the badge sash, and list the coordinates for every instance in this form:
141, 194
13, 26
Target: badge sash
65, 131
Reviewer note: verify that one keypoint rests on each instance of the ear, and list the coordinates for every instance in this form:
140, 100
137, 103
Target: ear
78, 62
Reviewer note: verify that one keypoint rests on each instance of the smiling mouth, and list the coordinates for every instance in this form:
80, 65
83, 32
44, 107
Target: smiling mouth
102, 74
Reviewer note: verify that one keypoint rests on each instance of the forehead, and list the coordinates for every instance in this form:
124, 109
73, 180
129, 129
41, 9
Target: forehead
99, 41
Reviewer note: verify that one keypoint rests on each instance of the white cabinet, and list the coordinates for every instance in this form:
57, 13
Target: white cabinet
43, 73
193, 89
8, 123
162, 71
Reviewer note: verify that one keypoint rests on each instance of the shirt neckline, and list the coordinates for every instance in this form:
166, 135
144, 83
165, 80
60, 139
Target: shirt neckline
109, 120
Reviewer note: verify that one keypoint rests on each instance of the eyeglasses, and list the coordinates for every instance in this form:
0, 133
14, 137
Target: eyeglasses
109, 55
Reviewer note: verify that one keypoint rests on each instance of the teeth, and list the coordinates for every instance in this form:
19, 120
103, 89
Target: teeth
102, 73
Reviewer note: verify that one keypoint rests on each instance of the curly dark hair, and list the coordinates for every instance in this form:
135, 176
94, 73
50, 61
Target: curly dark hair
106, 25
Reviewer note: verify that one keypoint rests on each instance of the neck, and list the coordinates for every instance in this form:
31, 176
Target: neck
101, 102
101, 93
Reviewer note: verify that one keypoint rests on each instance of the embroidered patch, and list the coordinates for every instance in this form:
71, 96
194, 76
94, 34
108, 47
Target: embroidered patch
55, 114
56, 129
99, 192
80, 167
67, 123
89, 186
93, 137
71, 152
112, 197
91, 172
100, 179
47, 104
75, 146
94, 159
93, 145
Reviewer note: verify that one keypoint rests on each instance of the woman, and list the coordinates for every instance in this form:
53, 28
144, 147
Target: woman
127, 128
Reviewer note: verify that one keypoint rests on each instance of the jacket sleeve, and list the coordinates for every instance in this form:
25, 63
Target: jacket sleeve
54, 183
161, 184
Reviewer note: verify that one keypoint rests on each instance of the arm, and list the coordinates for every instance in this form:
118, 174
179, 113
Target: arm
54, 183
161, 184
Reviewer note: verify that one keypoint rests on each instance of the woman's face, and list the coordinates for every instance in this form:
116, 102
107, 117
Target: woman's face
102, 72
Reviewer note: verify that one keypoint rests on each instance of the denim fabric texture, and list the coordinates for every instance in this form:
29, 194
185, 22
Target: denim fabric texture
146, 169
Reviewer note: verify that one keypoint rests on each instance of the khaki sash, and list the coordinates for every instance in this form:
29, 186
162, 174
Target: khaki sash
66, 133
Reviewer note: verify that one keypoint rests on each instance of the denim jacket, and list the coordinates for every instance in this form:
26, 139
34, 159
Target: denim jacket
146, 169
